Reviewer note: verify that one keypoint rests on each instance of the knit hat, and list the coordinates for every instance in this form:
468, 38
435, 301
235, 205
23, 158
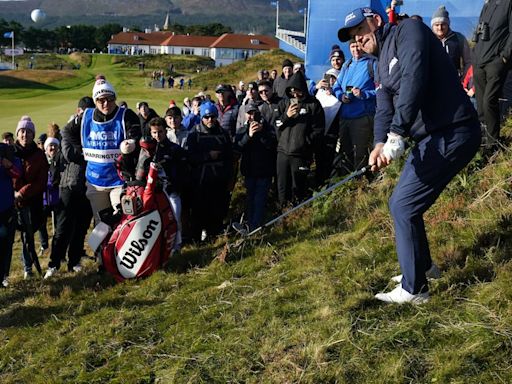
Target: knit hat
336, 52
102, 88
51, 140
441, 15
26, 123
208, 109
41, 139
287, 63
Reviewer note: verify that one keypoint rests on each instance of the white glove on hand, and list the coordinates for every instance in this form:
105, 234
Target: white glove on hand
127, 146
394, 147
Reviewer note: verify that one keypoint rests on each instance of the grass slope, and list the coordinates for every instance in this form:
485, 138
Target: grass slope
293, 305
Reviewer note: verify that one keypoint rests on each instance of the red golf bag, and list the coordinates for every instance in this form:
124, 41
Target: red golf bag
143, 240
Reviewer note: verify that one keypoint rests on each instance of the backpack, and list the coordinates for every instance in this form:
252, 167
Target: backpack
369, 64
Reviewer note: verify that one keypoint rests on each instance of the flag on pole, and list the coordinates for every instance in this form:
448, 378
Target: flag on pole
8, 35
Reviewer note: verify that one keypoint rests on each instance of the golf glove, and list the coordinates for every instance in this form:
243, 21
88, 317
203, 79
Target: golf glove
394, 146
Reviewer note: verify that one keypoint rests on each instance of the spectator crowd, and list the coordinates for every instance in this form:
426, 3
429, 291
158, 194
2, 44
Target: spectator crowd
283, 134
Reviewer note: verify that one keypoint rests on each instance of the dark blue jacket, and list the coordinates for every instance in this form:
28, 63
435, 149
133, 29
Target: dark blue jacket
6, 177
415, 75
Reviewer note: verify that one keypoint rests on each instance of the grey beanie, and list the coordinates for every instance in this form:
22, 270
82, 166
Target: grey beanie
441, 15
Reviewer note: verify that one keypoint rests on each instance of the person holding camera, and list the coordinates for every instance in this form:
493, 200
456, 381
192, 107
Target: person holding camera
412, 69
256, 141
493, 57
355, 88
300, 126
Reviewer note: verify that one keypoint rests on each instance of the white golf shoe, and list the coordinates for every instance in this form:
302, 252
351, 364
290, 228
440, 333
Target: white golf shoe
401, 296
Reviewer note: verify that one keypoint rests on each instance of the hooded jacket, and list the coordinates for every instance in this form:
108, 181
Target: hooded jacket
298, 134
416, 75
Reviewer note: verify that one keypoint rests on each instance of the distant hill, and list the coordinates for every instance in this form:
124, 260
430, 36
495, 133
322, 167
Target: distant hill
242, 15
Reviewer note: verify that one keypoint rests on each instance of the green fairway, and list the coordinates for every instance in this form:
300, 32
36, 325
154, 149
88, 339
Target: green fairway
56, 101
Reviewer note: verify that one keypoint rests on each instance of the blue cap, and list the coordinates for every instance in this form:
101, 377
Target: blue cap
208, 109
353, 19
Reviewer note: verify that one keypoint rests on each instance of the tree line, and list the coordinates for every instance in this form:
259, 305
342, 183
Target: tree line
88, 37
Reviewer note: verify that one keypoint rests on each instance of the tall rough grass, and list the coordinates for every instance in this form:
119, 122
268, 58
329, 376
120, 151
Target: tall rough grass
293, 305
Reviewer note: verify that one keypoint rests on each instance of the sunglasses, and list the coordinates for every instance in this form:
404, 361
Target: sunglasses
209, 117
104, 100
264, 91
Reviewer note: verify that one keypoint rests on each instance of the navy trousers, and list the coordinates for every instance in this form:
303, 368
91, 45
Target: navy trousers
432, 163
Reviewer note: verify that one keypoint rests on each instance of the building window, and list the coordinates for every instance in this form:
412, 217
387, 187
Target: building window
205, 52
225, 53
187, 51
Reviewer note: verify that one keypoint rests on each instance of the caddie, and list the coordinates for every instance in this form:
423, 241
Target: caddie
97, 136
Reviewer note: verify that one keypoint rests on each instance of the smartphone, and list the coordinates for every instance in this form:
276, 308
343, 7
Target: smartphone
294, 100
327, 78
348, 89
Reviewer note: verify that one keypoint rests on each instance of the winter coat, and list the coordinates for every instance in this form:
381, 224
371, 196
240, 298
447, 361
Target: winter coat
280, 85
259, 152
205, 169
416, 75
73, 174
227, 117
355, 73
171, 157
32, 182
269, 110
297, 135
51, 193
7, 176
497, 15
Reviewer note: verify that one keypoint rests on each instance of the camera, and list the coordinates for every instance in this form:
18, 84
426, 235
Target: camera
482, 32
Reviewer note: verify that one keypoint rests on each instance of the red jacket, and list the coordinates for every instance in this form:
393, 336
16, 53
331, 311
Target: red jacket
32, 182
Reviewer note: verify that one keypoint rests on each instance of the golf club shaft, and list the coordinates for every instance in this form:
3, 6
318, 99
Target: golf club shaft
353, 175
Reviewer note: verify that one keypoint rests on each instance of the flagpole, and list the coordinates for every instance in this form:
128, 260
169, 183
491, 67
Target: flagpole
12, 52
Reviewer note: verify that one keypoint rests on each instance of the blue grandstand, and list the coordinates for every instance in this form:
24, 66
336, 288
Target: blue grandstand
324, 17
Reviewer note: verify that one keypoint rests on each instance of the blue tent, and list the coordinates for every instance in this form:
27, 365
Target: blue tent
326, 16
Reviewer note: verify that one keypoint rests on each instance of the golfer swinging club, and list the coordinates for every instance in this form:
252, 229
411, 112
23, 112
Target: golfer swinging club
419, 96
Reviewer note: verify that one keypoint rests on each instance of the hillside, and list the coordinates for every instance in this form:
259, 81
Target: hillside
292, 305
241, 15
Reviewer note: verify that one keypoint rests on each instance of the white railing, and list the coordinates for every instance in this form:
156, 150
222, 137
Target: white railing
288, 37
289, 32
